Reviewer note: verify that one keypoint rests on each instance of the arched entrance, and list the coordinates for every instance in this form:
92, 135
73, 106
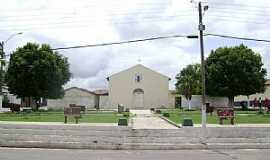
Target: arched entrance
138, 98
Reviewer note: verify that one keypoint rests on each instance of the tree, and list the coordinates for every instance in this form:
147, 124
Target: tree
189, 82
233, 71
37, 71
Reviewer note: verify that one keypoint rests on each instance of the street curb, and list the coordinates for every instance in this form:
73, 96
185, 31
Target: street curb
169, 121
142, 146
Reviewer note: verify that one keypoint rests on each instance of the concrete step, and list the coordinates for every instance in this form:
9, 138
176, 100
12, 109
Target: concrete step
126, 139
133, 146
99, 139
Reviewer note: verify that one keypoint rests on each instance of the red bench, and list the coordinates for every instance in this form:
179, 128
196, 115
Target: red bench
225, 113
15, 107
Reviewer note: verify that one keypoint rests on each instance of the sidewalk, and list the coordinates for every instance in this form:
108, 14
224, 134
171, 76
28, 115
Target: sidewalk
144, 119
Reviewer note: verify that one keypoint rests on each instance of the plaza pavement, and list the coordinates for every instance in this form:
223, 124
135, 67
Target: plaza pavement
145, 119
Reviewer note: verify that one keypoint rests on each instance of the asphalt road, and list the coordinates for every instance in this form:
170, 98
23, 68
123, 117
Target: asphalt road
61, 154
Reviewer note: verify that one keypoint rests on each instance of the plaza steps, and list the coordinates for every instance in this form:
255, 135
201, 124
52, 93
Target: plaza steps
114, 137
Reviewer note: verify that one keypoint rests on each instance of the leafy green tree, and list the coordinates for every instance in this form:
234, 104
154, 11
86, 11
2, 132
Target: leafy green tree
233, 71
37, 71
189, 82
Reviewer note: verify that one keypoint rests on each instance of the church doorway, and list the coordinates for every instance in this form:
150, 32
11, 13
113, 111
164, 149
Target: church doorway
138, 99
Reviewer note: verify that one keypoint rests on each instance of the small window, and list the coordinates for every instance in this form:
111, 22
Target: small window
138, 78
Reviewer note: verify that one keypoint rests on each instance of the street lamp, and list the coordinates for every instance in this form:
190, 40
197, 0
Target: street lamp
11, 36
2, 57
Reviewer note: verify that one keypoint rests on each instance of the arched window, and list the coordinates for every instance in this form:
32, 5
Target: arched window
138, 90
138, 78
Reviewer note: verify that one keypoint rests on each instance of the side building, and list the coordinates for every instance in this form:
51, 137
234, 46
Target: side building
74, 95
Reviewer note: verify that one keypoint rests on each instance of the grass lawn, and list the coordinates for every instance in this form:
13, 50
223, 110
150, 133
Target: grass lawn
88, 117
177, 116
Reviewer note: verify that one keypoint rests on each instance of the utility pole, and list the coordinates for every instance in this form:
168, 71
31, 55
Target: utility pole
201, 28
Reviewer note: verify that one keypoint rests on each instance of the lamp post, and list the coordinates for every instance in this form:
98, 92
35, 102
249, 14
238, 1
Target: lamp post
2, 58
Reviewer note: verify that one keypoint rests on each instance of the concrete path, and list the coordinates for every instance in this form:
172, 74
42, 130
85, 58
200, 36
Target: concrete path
144, 119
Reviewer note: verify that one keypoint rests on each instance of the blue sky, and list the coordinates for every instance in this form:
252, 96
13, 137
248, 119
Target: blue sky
67, 22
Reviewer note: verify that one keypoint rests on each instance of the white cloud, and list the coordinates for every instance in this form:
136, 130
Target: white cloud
67, 22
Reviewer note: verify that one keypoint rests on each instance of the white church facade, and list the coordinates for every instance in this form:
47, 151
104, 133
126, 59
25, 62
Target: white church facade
139, 88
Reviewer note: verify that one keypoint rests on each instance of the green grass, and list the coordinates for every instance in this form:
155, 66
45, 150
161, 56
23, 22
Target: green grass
177, 116
50, 116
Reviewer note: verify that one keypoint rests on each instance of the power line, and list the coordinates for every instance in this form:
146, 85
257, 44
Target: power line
239, 4
239, 11
85, 6
111, 12
157, 38
85, 24
233, 19
118, 43
115, 43
235, 37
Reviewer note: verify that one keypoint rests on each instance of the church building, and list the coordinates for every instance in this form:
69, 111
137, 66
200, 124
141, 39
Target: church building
138, 88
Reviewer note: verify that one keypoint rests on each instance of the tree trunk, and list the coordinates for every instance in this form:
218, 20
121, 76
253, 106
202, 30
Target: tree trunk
231, 101
189, 106
248, 103
33, 103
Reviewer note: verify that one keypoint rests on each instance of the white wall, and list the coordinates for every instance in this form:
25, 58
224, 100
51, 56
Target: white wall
154, 85
73, 96
196, 101
104, 101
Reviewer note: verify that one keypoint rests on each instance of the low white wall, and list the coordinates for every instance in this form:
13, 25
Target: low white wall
62, 103
73, 96
103, 102
13, 99
196, 101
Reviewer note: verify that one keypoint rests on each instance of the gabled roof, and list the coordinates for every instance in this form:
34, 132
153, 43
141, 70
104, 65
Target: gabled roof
81, 89
101, 92
140, 65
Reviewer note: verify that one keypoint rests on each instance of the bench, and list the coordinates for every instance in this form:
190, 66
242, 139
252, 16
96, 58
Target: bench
74, 112
209, 109
15, 107
225, 113
83, 108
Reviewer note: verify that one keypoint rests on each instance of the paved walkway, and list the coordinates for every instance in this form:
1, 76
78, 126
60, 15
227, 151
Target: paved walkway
144, 119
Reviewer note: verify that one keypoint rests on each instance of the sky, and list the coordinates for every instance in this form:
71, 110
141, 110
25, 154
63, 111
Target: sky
63, 23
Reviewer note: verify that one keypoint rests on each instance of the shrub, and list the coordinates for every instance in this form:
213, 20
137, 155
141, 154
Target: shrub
166, 114
152, 109
158, 111
187, 122
122, 122
55, 109
189, 109
126, 114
